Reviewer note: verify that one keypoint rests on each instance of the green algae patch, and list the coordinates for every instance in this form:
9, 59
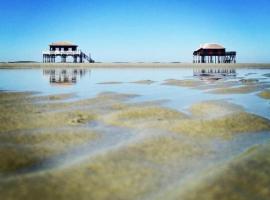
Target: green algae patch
265, 94
243, 89
118, 106
11, 96
110, 83
249, 81
105, 99
235, 90
28, 149
111, 176
29, 112
165, 150
31, 131
130, 172
18, 115
80, 117
136, 115
57, 97
183, 83
219, 84
8, 98
239, 122
103, 103
144, 82
245, 178
202, 84
149, 112
29, 117
213, 109
115, 96
64, 137
15, 158
210, 118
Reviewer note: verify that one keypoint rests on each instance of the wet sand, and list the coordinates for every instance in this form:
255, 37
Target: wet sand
265, 94
134, 65
121, 145
108, 147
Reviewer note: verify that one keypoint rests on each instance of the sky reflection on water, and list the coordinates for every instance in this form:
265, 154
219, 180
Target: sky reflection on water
85, 83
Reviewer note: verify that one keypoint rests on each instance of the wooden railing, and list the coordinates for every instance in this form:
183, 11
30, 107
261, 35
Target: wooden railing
62, 52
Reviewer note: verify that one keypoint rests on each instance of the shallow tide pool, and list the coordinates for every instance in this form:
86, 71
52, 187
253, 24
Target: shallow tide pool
133, 133
94, 81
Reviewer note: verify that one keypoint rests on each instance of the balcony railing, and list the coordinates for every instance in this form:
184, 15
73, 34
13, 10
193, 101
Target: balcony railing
61, 52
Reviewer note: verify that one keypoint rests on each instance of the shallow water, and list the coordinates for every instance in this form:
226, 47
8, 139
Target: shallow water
151, 86
179, 97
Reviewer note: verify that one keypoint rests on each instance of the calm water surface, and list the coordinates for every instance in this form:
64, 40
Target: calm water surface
85, 83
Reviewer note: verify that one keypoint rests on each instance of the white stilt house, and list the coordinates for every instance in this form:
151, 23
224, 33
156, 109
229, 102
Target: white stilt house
63, 50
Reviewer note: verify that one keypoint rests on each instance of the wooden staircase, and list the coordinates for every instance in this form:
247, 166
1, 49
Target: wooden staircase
86, 57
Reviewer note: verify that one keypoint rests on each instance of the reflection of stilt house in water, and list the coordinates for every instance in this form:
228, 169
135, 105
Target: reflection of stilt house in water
64, 77
213, 53
214, 73
63, 50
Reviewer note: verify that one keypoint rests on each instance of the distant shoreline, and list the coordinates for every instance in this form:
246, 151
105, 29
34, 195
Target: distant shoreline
132, 65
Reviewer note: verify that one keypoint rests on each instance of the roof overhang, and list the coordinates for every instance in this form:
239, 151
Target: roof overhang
63, 43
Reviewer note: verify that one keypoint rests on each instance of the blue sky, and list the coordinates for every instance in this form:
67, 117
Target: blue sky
135, 30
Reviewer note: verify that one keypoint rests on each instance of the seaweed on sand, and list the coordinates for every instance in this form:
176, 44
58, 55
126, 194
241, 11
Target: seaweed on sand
206, 119
219, 118
145, 82
129, 172
243, 89
29, 117
31, 132
235, 90
56, 97
19, 111
244, 178
165, 150
249, 81
26, 149
265, 94
110, 178
14, 158
6, 96
142, 115
183, 83
239, 122
213, 109
63, 137
109, 83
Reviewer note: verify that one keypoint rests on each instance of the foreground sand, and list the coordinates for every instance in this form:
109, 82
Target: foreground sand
133, 65
109, 148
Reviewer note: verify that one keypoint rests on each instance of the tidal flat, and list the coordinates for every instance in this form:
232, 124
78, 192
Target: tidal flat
160, 134
265, 94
